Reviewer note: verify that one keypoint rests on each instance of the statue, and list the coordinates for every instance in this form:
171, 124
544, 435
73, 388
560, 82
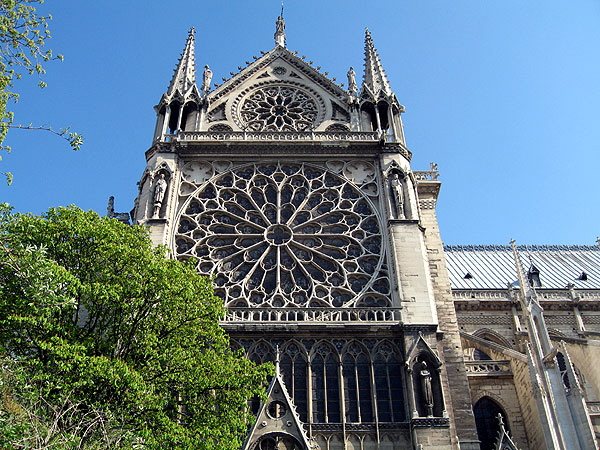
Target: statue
279, 25
426, 386
352, 87
160, 188
398, 195
206, 79
280, 31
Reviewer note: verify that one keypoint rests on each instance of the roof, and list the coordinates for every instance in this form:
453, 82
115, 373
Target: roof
493, 266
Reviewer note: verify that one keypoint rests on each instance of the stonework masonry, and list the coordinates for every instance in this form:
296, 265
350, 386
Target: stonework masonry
298, 197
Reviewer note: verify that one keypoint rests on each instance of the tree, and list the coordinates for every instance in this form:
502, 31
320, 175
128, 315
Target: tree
23, 35
105, 343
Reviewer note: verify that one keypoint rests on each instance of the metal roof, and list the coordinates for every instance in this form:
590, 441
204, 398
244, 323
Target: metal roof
493, 266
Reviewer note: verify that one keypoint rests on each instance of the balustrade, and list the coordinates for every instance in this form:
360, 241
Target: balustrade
312, 315
195, 136
488, 368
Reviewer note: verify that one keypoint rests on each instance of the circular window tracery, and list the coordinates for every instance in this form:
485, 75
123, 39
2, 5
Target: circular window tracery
278, 107
285, 235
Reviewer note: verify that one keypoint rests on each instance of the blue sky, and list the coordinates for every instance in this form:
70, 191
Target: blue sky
503, 96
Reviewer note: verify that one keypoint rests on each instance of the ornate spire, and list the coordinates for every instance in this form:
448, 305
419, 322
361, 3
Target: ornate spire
374, 78
184, 77
280, 30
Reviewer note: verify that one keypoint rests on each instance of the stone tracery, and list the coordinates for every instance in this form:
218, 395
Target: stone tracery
281, 234
278, 107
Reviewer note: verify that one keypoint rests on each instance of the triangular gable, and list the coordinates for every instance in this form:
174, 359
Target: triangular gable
277, 419
302, 70
421, 346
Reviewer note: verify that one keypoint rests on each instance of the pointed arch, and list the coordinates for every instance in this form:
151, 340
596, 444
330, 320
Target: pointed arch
389, 383
486, 412
294, 369
325, 376
356, 372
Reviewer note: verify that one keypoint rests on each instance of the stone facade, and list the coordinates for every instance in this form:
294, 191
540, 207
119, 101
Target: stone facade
298, 196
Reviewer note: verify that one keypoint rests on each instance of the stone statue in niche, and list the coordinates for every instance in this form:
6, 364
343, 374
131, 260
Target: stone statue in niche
160, 188
352, 87
426, 388
397, 195
206, 79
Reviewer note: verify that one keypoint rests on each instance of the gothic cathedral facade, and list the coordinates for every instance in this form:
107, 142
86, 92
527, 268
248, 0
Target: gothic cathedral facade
298, 196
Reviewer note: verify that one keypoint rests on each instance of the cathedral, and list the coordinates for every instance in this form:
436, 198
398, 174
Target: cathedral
297, 195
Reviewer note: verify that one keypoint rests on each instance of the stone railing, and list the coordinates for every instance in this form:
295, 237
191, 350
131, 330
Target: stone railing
543, 294
593, 408
426, 175
488, 368
484, 294
248, 136
313, 315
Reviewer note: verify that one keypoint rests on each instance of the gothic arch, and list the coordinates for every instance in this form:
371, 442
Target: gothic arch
262, 351
356, 373
486, 411
294, 369
494, 336
389, 382
325, 377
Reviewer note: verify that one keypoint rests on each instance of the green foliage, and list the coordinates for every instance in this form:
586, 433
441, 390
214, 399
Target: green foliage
23, 35
105, 343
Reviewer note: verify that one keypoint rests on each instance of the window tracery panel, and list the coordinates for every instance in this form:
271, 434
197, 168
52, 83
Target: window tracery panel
357, 385
286, 234
277, 106
325, 386
294, 368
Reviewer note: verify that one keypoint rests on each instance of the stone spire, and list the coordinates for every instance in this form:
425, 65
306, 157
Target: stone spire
374, 78
184, 77
280, 30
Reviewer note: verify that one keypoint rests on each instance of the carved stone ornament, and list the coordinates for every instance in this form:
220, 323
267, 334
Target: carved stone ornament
279, 234
160, 188
278, 107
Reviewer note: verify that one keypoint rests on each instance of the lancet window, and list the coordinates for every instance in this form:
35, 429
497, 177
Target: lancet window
326, 386
342, 381
294, 368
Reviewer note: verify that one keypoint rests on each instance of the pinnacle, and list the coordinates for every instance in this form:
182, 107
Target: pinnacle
185, 72
374, 78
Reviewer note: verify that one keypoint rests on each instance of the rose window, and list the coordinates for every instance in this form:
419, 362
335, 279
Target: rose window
285, 235
279, 108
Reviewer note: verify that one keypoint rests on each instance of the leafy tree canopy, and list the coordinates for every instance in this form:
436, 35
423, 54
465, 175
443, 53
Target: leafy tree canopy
23, 35
105, 343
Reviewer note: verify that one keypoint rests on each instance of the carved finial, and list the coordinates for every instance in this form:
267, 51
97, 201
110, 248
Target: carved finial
277, 359
280, 30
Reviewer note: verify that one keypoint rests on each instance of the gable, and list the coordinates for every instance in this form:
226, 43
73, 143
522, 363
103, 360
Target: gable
279, 92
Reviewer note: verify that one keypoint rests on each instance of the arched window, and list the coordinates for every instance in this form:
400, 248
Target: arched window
486, 413
357, 385
260, 353
325, 386
387, 371
295, 376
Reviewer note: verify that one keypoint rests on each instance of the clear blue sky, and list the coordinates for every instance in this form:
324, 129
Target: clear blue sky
504, 96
